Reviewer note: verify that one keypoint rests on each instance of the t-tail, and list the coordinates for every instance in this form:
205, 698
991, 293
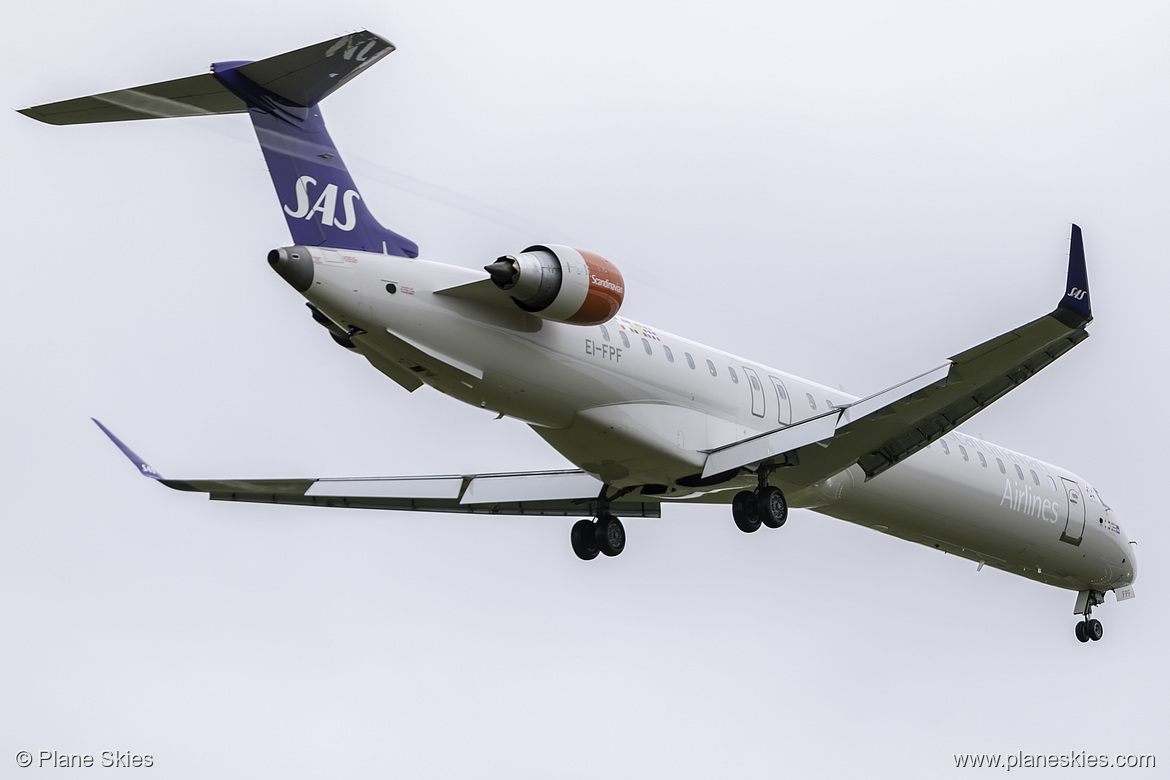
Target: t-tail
281, 94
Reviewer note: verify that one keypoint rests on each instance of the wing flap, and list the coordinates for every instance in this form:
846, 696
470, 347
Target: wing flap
389, 487
513, 488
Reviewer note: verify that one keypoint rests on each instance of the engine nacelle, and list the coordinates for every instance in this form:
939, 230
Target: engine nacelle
561, 283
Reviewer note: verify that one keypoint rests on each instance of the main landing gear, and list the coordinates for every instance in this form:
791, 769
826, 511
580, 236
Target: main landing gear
766, 506
1089, 628
605, 534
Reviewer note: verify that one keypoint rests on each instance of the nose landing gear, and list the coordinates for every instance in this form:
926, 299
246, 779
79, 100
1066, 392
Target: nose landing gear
1089, 628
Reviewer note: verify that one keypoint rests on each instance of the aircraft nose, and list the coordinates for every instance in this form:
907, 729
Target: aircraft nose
1125, 548
1129, 555
294, 264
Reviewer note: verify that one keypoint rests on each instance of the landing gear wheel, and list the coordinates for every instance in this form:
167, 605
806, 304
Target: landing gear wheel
1094, 630
1081, 635
611, 535
745, 511
772, 507
584, 539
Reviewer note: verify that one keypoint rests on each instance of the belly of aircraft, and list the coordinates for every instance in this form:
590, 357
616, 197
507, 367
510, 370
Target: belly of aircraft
640, 443
920, 501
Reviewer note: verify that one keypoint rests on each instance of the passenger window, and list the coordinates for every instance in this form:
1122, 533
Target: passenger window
780, 389
711, 368
982, 460
1053, 482
734, 378
1019, 472
669, 354
1002, 470
946, 449
812, 402
755, 384
1035, 478
604, 332
690, 360
625, 341
963, 452
646, 346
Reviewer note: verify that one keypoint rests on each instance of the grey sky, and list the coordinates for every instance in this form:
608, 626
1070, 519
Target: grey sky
850, 193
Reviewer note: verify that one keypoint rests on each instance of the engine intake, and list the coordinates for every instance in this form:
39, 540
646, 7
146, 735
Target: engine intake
561, 283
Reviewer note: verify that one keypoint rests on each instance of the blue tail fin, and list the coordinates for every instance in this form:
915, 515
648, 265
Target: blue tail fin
320, 200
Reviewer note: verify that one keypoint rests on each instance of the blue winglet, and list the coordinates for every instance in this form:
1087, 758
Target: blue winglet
143, 467
1076, 294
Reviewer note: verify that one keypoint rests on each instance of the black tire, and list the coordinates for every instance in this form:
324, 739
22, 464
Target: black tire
772, 507
1081, 635
611, 535
1094, 630
745, 512
584, 539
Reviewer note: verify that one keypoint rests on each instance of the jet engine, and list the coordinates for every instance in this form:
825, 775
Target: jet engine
561, 283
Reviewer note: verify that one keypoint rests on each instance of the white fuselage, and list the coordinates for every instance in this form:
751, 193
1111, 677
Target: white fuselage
636, 406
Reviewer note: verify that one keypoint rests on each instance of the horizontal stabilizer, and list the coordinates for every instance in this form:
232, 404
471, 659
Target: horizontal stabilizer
191, 96
300, 78
307, 76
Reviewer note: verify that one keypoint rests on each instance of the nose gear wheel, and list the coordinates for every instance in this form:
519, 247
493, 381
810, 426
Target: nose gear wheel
1090, 629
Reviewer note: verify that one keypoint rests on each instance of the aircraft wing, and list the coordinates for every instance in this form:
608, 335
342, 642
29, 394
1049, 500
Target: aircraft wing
885, 429
549, 493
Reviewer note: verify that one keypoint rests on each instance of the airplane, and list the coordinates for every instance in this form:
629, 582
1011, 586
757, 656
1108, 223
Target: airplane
647, 417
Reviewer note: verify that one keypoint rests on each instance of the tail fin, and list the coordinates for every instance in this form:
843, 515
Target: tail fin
320, 200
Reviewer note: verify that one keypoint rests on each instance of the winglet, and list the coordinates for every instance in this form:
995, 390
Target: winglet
143, 467
1074, 308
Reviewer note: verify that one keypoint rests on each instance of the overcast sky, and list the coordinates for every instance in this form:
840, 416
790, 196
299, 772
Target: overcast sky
849, 192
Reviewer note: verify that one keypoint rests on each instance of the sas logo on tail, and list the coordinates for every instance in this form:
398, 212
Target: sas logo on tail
326, 205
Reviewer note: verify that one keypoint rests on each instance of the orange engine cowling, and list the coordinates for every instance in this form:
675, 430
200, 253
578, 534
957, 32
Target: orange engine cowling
561, 283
